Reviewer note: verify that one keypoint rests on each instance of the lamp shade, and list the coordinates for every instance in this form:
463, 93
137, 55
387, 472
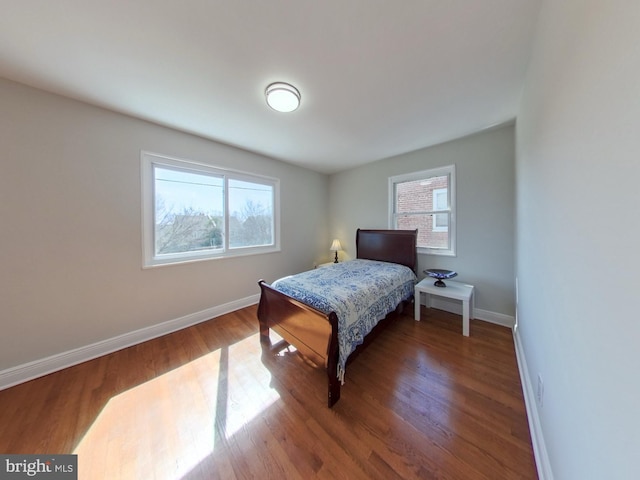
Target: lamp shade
335, 245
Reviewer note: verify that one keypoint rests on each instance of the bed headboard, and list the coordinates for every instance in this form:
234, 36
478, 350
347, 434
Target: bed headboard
396, 246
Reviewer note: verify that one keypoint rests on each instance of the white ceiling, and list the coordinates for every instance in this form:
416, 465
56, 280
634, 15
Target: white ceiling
377, 77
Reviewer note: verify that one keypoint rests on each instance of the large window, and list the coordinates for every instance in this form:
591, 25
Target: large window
193, 211
426, 201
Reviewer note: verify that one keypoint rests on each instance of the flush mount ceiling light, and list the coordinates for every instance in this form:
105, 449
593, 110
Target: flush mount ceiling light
282, 97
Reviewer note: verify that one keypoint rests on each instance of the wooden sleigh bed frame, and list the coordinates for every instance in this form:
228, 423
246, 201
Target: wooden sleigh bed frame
315, 334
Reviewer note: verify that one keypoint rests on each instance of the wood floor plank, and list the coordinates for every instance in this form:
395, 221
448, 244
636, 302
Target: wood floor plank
207, 402
421, 407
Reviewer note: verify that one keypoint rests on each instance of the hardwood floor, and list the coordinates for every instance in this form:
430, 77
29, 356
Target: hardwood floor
421, 401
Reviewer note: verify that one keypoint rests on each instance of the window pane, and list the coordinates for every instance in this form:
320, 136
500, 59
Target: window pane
415, 199
440, 200
251, 217
428, 236
440, 220
188, 211
418, 195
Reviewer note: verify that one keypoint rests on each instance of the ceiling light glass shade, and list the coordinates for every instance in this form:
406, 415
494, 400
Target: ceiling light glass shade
282, 97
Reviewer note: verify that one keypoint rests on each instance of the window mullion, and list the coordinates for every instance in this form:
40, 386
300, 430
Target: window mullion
425, 212
225, 209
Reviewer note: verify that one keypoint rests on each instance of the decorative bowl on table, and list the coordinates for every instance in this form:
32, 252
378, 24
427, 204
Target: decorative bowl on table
440, 275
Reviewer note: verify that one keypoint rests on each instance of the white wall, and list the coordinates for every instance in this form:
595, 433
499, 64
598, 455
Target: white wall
70, 214
485, 209
578, 235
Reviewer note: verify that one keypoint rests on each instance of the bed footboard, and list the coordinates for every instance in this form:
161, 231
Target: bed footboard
313, 333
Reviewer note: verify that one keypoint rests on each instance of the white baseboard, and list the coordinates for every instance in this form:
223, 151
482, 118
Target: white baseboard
537, 438
479, 314
38, 368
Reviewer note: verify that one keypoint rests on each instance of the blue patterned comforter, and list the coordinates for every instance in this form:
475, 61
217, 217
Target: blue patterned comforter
361, 292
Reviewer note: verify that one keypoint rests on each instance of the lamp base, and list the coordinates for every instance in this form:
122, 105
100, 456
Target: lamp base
336, 259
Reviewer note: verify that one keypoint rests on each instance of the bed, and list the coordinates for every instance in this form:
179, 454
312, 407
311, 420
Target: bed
315, 328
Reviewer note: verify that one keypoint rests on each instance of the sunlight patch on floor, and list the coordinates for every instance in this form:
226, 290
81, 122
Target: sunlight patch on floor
167, 426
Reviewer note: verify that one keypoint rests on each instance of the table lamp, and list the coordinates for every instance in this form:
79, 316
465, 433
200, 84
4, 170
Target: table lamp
335, 246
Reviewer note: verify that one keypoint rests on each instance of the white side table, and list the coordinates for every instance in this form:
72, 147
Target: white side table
454, 290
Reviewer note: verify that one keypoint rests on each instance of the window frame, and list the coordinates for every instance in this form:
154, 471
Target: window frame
423, 175
149, 161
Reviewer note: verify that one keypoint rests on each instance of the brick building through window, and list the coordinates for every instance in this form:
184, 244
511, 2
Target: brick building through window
424, 200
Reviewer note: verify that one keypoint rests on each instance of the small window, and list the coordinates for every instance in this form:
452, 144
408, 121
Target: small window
194, 212
440, 202
426, 201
